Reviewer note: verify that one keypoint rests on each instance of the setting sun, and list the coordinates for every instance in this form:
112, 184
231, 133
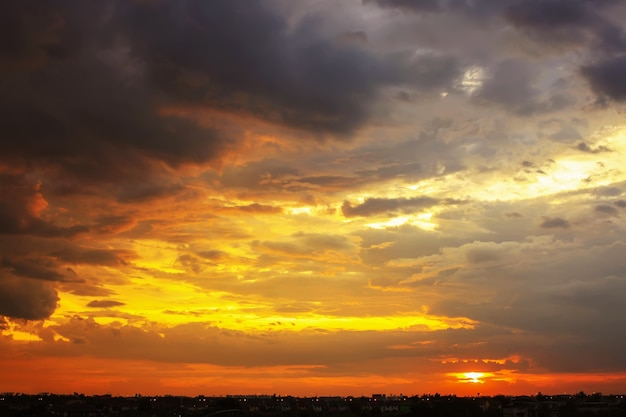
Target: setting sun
473, 377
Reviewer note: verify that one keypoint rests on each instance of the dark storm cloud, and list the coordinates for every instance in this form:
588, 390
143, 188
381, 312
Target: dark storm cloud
21, 204
547, 21
224, 54
23, 298
411, 5
27, 33
552, 14
24, 224
86, 97
106, 257
606, 77
82, 119
373, 206
105, 303
554, 223
569, 21
75, 108
37, 268
146, 191
583, 23
588, 24
114, 223
475, 9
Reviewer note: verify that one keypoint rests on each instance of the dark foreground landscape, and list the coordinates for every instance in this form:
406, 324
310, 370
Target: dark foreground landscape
79, 405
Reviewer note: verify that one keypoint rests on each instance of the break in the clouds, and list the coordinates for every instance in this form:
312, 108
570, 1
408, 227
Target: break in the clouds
380, 194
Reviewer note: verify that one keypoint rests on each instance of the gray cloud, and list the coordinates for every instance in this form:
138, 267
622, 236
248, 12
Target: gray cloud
330, 182
554, 223
21, 204
78, 110
411, 5
582, 146
308, 244
114, 223
31, 299
260, 209
610, 191
373, 206
91, 108
36, 268
585, 23
142, 192
511, 84
561, 21
550, 15
606, 209
258, 174
606, 77
571, 297
485, 253
105, 303
299, 78
475, 9
108, 257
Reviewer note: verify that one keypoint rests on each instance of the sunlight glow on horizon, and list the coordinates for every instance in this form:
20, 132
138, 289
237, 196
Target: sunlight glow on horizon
474, 377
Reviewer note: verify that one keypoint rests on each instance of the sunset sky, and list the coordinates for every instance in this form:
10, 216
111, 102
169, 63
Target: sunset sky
313, 197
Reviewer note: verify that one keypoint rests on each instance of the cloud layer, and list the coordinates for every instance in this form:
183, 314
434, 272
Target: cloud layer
307, 190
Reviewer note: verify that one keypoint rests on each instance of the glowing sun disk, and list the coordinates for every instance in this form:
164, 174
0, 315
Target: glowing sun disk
474, 377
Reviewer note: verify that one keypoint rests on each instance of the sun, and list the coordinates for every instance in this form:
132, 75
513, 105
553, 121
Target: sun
473, 377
